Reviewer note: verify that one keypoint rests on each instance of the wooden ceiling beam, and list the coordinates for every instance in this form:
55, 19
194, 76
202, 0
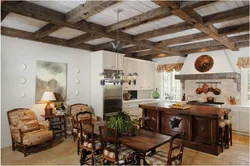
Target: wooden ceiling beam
151, 15
193, 18
83, 38
186, 5
199, 50
86, 10
200, 36
227, 15
3, 15
47, 39
234, 29
46, 30
208, 43
54, 17
163, 31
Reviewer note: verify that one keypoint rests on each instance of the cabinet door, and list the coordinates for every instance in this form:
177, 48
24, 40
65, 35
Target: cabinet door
150, 76
109, 61
244, 119
204, 130
131, 66
153, 114
119, 62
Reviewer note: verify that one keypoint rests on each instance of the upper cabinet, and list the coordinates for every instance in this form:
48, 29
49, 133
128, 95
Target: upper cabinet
145, 70
112, 61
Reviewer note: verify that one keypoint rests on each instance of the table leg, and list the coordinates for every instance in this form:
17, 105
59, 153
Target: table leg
65, 132
60, 119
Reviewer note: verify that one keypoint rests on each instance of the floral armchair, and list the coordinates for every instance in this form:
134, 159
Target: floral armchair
74, 109
26, 130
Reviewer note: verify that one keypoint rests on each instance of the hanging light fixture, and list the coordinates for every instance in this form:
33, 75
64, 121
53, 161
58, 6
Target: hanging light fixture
115, 77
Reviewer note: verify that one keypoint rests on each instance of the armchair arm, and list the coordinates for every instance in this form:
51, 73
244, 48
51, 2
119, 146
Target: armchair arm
16, 133
71, 122
44, 124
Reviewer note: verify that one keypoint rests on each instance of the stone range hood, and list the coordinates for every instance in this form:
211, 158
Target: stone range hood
224, 68
212, 76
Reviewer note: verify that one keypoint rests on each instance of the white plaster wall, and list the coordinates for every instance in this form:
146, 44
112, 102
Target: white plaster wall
17, 51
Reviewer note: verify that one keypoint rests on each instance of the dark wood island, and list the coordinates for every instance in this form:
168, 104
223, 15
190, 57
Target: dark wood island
199, 122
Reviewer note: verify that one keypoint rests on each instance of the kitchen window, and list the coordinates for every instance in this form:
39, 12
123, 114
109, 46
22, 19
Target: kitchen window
171, 87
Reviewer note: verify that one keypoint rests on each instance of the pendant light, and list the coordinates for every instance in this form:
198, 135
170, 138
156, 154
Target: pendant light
115, 77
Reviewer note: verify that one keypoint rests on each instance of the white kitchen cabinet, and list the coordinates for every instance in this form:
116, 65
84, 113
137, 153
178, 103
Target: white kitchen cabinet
112, 61
239, 117
244, 119
145, 70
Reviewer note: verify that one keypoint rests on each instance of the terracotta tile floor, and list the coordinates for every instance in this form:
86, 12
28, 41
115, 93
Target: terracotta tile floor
63, 152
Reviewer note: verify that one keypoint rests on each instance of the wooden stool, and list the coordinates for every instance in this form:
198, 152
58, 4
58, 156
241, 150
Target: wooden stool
228, 132
222, 130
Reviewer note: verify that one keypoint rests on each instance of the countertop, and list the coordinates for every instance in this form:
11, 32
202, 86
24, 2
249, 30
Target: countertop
204, 111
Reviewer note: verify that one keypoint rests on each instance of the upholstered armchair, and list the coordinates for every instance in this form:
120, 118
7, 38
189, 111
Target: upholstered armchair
26, 130
74, 109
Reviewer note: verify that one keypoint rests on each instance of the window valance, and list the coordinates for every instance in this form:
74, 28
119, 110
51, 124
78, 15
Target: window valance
243, 62
169, 67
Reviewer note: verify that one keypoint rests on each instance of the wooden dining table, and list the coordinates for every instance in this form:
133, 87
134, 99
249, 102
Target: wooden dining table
144, 141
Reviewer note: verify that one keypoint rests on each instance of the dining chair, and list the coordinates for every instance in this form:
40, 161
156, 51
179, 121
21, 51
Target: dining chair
89, 143
112, 151
147, 123
79, 118
162, 158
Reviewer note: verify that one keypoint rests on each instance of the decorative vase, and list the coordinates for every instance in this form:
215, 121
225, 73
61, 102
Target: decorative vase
156, 94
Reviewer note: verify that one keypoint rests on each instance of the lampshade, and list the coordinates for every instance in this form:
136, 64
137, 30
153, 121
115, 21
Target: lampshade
48, 96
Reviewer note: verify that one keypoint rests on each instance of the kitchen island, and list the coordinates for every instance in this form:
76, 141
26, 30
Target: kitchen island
199, 122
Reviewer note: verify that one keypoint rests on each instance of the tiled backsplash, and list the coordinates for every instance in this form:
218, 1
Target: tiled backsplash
228, 88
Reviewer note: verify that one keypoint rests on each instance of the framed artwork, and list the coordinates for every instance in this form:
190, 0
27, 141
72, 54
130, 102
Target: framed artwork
51, 76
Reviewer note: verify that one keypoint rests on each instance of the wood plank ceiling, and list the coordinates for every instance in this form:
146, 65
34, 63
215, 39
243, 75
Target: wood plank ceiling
147, 29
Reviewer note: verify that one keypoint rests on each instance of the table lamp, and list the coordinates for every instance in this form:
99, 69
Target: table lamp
47, 98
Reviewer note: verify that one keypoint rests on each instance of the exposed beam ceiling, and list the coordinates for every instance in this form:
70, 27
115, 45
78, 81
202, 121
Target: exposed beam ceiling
154, 14
193, 18
163, 31
227, 15
3, 15
83, 38
51, 40
46, 30
54, 17
187, 48
234, 29
88, 9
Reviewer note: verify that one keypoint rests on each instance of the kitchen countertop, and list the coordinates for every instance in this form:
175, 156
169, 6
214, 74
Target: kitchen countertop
205, 111
137, 100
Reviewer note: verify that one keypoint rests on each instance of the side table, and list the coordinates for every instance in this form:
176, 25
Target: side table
59, 125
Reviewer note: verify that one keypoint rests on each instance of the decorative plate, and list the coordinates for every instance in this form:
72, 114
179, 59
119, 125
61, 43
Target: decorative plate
204, 63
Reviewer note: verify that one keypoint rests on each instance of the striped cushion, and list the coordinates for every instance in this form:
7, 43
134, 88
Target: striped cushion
89, 145
159, 158
227, 122
123, 152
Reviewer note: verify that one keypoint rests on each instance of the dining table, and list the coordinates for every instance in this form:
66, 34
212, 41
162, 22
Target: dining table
144, 141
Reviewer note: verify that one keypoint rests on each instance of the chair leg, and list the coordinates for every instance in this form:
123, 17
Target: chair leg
51, 143
78, 146
231, 138
222, 139
25, 150
13, 146
226, 137
93, 158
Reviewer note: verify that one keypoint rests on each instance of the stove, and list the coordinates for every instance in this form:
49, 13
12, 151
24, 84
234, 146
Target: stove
212, 104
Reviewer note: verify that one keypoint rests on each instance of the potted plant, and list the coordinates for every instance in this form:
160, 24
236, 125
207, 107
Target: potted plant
123, 123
